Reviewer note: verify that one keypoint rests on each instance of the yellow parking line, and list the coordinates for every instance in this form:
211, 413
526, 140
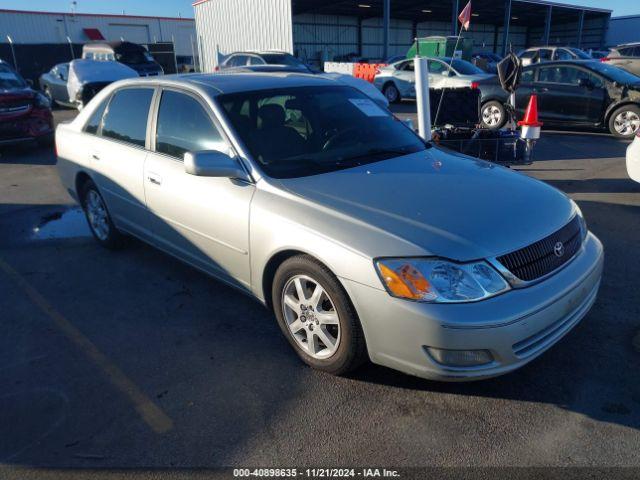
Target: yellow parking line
149, 411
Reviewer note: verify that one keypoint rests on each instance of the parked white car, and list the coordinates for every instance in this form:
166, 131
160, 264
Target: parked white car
398, 80
633, 158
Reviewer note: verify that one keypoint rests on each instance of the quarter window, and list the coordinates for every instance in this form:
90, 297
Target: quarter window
184, 126
126, 115
93, 125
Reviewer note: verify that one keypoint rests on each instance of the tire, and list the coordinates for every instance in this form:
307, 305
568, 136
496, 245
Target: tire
493, 115
102, 227
332, 317
391, 92
624, 122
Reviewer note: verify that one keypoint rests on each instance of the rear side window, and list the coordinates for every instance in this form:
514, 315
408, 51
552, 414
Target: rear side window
126, 116
184, 126
562, 54
527, 76
93, 125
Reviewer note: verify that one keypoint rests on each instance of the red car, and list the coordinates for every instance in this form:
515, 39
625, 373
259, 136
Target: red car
25, 115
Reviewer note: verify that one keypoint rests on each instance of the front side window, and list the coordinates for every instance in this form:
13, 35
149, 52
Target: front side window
562, 54
184, 126
302, 131
465, 68
126, 116
436, 67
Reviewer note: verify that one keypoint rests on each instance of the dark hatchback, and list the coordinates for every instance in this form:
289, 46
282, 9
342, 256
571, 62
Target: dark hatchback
577, 93
25, 115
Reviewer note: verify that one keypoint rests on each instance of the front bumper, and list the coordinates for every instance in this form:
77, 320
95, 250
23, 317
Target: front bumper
515, 327
36, 124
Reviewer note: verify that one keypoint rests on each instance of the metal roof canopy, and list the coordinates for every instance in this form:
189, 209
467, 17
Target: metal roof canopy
528, 12
525, 13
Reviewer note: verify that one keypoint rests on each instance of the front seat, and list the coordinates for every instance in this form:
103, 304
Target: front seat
274, 140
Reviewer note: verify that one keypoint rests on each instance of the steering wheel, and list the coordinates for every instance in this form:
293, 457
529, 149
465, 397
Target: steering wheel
335, 138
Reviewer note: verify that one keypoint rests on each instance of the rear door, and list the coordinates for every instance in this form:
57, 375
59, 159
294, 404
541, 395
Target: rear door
203, 220
118, 153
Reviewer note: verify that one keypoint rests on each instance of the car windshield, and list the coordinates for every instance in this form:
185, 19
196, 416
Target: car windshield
614, 73
134, 57
9, 79
301, 131
462, 67
580, 54
281, 59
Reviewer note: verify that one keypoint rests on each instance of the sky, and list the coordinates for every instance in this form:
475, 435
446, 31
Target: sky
175, 8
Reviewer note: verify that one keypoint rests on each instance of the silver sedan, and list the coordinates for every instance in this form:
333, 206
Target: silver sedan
365, 241
398, 80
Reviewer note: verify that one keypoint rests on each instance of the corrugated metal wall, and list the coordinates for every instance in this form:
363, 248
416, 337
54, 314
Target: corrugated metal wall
329, 36
566, 34
623, 30
226, 26
45, 28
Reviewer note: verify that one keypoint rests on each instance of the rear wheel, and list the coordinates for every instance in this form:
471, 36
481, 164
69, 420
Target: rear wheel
493, 115
624, 122
392, 93
317, 317
100, 223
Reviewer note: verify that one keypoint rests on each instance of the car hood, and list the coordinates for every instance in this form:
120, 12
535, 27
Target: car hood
443, 203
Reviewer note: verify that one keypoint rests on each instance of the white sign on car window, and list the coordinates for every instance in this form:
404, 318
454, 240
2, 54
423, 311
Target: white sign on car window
368, 107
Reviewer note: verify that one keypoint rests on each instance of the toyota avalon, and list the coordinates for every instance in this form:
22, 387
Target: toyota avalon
364, 240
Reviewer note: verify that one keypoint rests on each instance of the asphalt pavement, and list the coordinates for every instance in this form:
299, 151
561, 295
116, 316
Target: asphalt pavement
133, 360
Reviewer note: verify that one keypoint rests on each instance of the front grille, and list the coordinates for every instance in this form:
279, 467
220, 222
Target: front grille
14, 107
540, 258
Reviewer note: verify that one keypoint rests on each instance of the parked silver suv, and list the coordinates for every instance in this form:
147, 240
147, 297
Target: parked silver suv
363, 239
625, 56
550, 54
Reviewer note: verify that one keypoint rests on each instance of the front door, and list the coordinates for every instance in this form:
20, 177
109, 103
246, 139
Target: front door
203, 220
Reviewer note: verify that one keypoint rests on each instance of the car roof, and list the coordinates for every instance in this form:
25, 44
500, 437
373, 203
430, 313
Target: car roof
233, 82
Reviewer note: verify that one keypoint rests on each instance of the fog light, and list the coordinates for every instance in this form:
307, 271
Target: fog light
460, 358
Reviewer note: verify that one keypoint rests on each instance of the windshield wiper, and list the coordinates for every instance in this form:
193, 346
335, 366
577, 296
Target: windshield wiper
373, 152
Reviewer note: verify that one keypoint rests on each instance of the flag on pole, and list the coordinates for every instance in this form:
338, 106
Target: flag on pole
465, 16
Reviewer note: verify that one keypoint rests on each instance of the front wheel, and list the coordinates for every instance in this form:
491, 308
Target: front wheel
625, 121
100, 223
392, 93
493, 115
317, 317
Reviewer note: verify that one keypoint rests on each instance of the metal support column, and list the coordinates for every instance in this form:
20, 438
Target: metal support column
360, 53
414, 30
495, 39
455, 5
386, 16
505, 27
547, 26
580, 28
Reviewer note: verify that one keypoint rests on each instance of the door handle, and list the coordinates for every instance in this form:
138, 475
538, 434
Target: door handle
95, 156
154, 178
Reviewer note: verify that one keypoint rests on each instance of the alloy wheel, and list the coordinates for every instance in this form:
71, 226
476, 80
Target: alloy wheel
311, 316
491, 116
391, 92
626, 123
97, 215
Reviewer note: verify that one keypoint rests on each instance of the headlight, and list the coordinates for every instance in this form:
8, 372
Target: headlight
41, 101
438, 280
583, 223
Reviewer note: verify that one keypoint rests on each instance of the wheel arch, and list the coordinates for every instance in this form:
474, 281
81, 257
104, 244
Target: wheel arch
615, 106
82, 177
271, 267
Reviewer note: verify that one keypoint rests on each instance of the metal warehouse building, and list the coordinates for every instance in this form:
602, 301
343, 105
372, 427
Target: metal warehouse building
44, 39
624, 30
323, 30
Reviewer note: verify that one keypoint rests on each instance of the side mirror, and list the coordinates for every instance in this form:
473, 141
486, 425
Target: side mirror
212, 163
60, 76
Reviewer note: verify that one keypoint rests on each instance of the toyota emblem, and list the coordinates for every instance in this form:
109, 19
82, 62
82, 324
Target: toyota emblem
558, 249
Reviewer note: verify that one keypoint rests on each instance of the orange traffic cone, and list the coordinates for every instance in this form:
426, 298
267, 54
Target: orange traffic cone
530, 123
